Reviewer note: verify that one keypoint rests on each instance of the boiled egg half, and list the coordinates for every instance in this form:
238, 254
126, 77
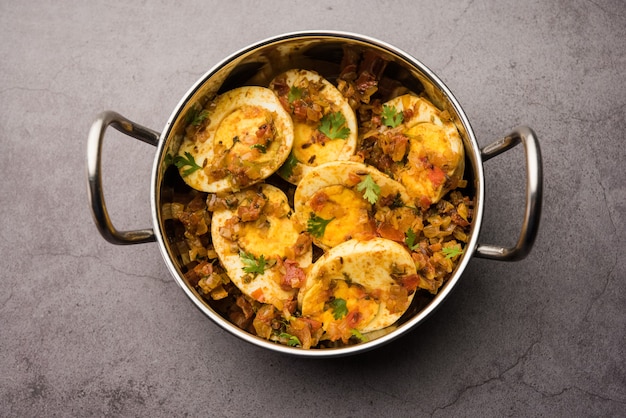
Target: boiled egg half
435, 153
253, 237
239, 139
325, 127
358, 287
342, 200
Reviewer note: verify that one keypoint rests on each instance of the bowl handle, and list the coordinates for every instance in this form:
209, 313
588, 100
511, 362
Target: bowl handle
534, 194
94, 150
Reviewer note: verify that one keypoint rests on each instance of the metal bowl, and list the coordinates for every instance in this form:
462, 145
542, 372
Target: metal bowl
321, 51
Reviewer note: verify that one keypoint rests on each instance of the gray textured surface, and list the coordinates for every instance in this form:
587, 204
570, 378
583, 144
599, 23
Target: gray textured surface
92, 329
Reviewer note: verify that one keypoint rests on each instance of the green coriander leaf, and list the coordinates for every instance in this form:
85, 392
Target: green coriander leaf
200, 117
251, 264
411, 240
333, 126
371, 190
339, 308
358, 334
292, 340
397, 202
169, 160
391, 117
286, 170
187, 160
196, 116
295, 93
191, 115
316, 226
451, 252
262, 149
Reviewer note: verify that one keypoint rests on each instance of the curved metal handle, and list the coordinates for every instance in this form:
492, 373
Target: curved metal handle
534, 194
94, 150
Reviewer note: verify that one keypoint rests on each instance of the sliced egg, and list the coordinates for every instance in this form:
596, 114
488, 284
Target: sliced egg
339, 201
325, 127
243, 136
358, 287
253, 239
435, 153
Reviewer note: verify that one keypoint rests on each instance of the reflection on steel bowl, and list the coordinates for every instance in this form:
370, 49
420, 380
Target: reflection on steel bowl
318, 193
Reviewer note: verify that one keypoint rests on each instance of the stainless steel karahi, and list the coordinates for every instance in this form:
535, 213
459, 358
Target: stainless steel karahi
321, 51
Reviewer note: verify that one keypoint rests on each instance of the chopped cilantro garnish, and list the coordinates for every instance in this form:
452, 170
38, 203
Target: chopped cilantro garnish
196, 116
262, 149
339, 308
180, 162
391, 117
397, 202
451, 252
252, 264
358, 334
292, 340
286, 170
371, 190
169, 160
411, 240
333, 126
316, 226
295, 93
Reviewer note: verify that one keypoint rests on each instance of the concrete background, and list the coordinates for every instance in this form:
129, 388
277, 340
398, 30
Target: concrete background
92, 329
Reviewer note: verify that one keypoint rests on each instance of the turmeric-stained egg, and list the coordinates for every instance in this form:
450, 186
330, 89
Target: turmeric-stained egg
358, 287
261, 246
435, 158
238, 140
325, 126
342, 200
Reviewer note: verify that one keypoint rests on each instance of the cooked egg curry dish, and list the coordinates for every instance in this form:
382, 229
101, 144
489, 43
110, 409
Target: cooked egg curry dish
315, 213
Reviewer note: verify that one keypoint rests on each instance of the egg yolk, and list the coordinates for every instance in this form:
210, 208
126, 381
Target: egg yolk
349, 213
243, 134
269, 239
340, 307
312, 153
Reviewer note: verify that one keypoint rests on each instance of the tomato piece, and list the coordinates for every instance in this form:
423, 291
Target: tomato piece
436, 176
